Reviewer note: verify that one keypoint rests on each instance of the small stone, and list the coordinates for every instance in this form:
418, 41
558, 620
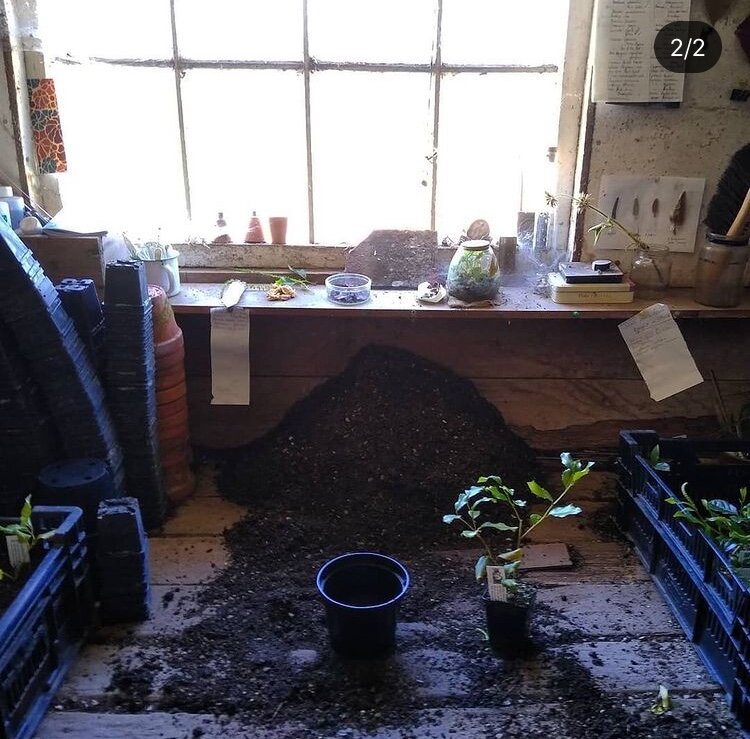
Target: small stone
303, 657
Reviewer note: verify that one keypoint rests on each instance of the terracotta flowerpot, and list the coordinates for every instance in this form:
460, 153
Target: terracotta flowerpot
172, 377
169, 346
277, 226
167, 410
171, 394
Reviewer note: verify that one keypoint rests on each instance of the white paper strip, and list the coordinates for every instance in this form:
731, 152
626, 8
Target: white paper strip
230, 356
660, 351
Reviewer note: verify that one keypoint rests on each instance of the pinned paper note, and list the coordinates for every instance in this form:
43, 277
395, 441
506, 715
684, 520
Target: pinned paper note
625, 67
660, 351
230, 356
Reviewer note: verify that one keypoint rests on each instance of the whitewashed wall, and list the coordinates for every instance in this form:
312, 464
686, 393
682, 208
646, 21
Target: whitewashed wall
695, 140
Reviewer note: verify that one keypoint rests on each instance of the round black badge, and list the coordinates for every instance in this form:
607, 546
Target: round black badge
687, 47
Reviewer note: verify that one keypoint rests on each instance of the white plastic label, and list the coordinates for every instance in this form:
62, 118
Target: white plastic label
18, 552
495, 577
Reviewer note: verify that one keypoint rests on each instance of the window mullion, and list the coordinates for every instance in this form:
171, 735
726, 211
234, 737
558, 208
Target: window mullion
438, 62
180, 114
308, 127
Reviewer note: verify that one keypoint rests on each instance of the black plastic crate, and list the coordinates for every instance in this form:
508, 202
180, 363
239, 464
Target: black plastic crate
693, 573
42, 630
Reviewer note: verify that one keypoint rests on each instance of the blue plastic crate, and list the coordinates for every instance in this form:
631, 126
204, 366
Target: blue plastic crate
42, 630
693, 573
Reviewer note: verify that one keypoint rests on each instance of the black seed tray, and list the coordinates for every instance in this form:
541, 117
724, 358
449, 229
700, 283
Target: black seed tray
710, 601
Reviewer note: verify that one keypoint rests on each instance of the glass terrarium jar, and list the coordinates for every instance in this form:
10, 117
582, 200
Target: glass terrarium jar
651, 271
473, 273
720, 271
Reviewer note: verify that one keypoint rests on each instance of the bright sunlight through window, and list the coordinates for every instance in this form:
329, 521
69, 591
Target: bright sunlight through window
344, 115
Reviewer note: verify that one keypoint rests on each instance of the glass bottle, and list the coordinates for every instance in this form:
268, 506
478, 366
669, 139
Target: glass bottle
652, 268
720, 271
473, 273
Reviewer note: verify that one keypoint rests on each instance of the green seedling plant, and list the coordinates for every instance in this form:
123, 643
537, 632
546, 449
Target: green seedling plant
656, 461
475, 506
727, 524
298, 279
25, 533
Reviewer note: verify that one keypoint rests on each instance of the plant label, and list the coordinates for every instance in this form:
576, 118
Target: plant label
495, 577
18, 552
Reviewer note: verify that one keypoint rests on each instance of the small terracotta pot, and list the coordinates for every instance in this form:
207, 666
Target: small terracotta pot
167, 410
277, 225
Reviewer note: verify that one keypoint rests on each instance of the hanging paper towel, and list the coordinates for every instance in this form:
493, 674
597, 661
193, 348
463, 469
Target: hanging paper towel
230, 356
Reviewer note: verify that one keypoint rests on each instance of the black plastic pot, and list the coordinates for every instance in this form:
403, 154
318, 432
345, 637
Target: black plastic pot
362, 591
508, 626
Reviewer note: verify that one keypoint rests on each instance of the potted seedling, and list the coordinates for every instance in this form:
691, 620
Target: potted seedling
508, 601
727, 523
46, 610
21, 538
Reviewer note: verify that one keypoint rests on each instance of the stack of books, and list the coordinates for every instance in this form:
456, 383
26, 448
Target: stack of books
564, 291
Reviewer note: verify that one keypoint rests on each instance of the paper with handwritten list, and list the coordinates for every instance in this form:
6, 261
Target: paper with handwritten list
659, 349
625, 67
230, 356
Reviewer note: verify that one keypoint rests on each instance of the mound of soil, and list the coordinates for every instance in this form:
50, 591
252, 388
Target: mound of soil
370, 461
389, 442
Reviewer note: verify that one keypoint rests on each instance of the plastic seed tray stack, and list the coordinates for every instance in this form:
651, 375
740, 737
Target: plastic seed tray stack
131, 385
28, 440
32, 311
82, 304
122, 562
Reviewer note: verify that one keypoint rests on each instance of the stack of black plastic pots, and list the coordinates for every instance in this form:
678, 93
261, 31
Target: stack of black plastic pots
28, 439
31, 309
122, 562
82, 304
131, 384
84, 483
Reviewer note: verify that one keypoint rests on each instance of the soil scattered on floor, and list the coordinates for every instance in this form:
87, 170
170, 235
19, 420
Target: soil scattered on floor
370, 461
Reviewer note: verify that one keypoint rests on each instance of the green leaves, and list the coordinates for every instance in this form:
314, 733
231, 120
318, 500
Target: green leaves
722, 507
564, 511
450, 518
26, 513
498, 525
480, 568
475, 505
655, 460
574, 469
663, 702
539, 491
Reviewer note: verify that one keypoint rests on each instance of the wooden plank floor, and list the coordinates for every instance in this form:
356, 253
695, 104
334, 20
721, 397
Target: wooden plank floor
631, 644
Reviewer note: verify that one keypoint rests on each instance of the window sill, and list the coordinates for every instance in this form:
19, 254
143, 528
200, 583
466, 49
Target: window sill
517, 303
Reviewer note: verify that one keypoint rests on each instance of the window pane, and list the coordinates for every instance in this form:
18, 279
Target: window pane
369, 155
245, 133
120, 130
138, 29
240, 29
382, 31
494, 128
504, 32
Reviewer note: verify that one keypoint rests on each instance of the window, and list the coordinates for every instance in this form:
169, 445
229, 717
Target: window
345, 115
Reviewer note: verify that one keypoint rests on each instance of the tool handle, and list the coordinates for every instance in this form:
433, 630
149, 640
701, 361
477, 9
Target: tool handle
741, 222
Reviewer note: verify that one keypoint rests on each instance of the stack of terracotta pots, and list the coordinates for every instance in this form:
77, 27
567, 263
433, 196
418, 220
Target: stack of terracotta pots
171, 399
